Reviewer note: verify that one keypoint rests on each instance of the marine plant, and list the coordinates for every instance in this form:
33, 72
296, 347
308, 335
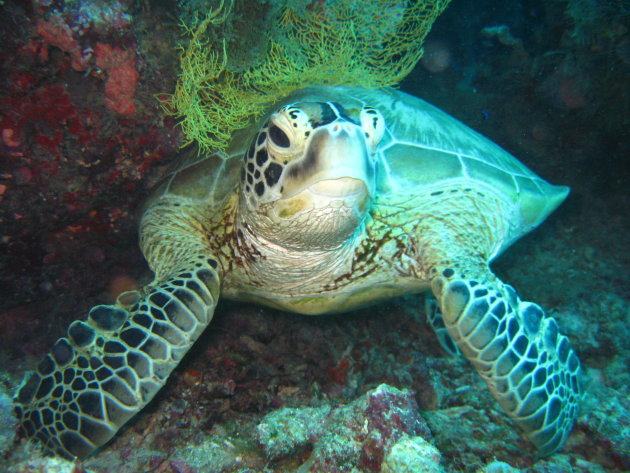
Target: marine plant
325, 43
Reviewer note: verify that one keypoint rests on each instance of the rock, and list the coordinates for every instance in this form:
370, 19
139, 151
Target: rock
412, 455
498, 467
565, 464
45, 465
7, 421
355, 436
288, 429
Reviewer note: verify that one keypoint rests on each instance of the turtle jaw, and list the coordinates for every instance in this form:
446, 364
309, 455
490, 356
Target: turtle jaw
341, 188
322, 216
325, 195
324, 198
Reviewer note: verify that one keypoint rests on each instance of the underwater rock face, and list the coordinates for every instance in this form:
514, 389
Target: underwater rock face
498, 467
361, 434
412, 455
286, 430
8, 421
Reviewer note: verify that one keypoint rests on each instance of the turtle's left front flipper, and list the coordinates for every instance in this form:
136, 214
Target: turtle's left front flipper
110, 366
528, 365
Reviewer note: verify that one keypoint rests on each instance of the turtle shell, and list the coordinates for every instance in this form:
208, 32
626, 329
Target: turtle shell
423, 148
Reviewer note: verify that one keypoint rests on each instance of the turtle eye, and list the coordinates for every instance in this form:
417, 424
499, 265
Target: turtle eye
279, 137
287, 132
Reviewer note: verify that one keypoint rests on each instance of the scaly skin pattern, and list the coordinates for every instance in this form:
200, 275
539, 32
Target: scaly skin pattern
392, 254
110, 366
530, 368
528, 365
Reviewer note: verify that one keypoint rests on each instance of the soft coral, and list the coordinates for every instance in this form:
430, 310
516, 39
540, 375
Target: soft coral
122, 77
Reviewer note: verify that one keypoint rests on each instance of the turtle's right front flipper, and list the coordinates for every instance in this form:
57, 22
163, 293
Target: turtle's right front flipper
529, 366
110, 366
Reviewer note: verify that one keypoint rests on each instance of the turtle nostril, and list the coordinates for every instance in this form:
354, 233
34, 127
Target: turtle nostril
339, 128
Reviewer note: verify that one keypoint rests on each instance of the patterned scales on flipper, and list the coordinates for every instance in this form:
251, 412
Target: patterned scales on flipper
529, 366
436, 321
112, 365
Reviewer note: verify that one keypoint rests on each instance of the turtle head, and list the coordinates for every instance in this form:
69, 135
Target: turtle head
309, 175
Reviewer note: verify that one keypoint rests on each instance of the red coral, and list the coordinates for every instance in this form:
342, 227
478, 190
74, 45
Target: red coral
120, 65
8, 138
39, 112
390, 413
122, 77
56, 32
339, 372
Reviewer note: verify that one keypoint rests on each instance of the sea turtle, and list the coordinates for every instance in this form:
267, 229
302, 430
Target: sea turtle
338, 198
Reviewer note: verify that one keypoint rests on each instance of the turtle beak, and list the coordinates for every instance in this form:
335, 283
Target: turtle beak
339, 188
336, 164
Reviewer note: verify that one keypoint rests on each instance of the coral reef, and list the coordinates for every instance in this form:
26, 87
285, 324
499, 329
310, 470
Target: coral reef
285, 431
80, 168
122, 77
412, 455
359, 435
73, 172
